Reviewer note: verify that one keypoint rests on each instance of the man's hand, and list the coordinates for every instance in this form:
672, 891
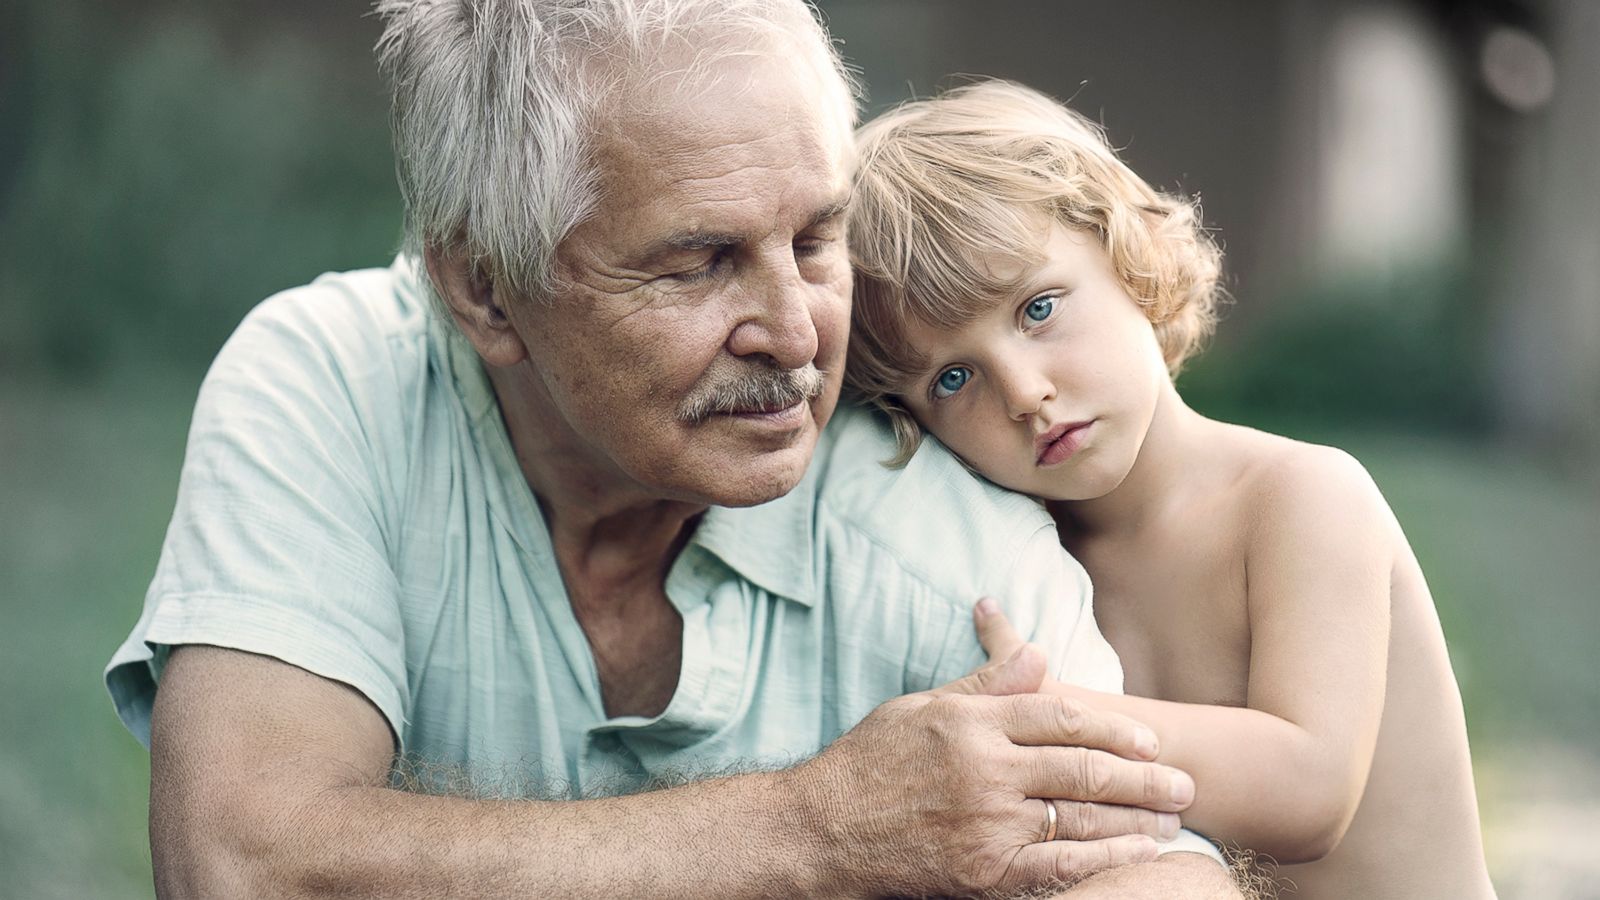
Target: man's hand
946, 790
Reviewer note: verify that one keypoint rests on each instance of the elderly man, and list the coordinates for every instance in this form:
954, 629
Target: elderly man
557, 495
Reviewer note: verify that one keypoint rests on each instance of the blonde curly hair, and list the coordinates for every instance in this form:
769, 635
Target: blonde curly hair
944, 186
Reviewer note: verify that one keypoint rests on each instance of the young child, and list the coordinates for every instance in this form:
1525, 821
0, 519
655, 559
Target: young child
1027, 299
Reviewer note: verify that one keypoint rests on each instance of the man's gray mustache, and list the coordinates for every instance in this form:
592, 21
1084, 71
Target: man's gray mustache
749, 387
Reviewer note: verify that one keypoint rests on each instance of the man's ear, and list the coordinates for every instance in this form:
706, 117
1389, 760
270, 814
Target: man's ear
469, 293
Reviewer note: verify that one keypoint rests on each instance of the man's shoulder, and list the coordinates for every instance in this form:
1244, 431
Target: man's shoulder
344, 365
358, 339
351, 315
959, 538
934, 516
855, 479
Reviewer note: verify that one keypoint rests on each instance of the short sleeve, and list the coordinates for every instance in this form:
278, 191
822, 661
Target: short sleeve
277, 545
1050, 600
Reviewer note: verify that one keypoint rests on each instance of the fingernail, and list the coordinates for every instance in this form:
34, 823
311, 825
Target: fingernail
1169, 826
1144, 741
986, 608
1182, 789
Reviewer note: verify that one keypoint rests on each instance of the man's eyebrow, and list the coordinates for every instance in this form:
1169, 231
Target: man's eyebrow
691, 241
830, 212
701, 240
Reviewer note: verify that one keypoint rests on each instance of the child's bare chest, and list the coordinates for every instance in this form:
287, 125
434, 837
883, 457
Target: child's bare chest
1177, 614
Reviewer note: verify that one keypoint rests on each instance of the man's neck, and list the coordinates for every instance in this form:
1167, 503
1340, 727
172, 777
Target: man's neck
606, 528
614, 541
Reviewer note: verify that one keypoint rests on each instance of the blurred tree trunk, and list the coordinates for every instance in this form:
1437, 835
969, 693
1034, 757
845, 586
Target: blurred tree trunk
1547, 322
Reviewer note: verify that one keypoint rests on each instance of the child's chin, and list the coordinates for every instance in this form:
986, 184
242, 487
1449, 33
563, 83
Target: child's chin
1085, 486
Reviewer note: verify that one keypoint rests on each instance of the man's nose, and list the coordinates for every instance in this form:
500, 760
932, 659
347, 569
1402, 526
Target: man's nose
777, 319
1024, 388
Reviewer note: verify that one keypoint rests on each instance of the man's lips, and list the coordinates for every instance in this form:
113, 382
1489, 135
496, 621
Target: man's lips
1060, 442
767, 409
791, 416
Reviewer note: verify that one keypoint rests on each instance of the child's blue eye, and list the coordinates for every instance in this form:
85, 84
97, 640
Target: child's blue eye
1040, 308
950, 381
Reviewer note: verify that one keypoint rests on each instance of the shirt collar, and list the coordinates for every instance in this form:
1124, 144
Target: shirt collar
451, 352
771, 545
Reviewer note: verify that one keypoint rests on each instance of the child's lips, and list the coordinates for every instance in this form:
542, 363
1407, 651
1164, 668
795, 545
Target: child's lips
1060, 442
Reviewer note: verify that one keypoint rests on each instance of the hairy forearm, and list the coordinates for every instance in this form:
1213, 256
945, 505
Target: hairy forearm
1188, 876
1260, 781
710, 839
277, 785
280, 786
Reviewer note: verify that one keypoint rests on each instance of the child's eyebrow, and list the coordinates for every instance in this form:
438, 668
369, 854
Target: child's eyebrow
917, 375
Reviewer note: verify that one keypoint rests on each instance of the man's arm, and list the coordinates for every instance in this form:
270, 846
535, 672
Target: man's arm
268, 781
1190, 876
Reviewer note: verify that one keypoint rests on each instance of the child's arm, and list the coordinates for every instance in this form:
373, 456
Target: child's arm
1285, 775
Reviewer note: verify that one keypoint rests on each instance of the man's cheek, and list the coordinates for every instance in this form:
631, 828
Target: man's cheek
832, 317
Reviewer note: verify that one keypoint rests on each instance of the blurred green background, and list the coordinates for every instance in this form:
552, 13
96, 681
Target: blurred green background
1406, 191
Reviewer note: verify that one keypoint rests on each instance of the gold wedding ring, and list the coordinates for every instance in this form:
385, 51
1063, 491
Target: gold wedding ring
1050, 821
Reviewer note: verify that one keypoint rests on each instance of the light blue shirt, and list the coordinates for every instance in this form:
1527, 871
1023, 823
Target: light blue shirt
350, 503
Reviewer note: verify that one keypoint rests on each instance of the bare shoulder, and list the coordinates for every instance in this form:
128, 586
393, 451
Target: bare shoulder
1282, 469
1290, 488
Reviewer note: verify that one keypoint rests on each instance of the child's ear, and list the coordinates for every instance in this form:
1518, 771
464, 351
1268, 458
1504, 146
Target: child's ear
470, 294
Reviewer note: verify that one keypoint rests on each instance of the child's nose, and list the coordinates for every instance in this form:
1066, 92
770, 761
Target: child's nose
1026, 391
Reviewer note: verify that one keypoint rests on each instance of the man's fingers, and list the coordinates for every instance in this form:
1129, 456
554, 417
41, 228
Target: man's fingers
1020, 673
995, 633
1074, 773
1038, 865
1077, 821
1037, 720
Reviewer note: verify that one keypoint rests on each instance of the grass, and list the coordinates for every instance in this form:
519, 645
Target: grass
89, 481
89, 476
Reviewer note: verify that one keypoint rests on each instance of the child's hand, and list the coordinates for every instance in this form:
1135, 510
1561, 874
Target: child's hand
995, 633
1002, 642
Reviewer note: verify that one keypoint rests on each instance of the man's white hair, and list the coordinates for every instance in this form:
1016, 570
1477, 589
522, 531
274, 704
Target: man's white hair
495, 105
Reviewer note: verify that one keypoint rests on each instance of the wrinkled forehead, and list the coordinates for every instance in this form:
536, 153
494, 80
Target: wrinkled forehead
695, 84
742, 150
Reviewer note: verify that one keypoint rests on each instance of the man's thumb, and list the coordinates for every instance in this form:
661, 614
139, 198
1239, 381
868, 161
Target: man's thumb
1020, 673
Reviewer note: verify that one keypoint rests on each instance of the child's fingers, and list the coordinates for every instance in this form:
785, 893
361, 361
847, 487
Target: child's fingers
995, 633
